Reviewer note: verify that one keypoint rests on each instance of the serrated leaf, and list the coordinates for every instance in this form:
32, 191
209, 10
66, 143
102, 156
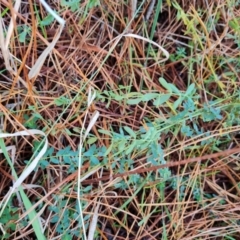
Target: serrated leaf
152, 160
189, 105
187, 131
130, 131
161, 99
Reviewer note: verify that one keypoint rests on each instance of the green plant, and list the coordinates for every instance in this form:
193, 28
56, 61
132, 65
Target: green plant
24, 32
9, 218
63, 217
183, 114
72, 4
178, 54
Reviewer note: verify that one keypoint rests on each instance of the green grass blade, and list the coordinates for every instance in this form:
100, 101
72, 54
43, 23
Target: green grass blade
27, 204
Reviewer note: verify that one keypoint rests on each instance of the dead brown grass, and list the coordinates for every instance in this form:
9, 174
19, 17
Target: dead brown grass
82, 53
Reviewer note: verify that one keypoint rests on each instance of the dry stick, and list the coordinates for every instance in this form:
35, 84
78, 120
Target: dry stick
170, 164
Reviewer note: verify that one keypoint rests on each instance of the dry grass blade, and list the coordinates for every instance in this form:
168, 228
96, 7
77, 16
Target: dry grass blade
38, 65
31, 166
94, 221
139, 104
153, 43
4, 43
90, 99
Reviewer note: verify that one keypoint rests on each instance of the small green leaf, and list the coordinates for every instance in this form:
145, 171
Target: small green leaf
108, 150
187, 131
189, 105
61, 101
43, 163
77, 129
91, 151
134, 101
170, 87
94, 161
22, 36
177, 103
148, 96
37, 115
130, 131
118, 97
161, 99
174, 89
191, 90
93, 3
92, 140
165, 84
47, 20
54, 160
106, 132
122, 146
73, 4
130, 148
